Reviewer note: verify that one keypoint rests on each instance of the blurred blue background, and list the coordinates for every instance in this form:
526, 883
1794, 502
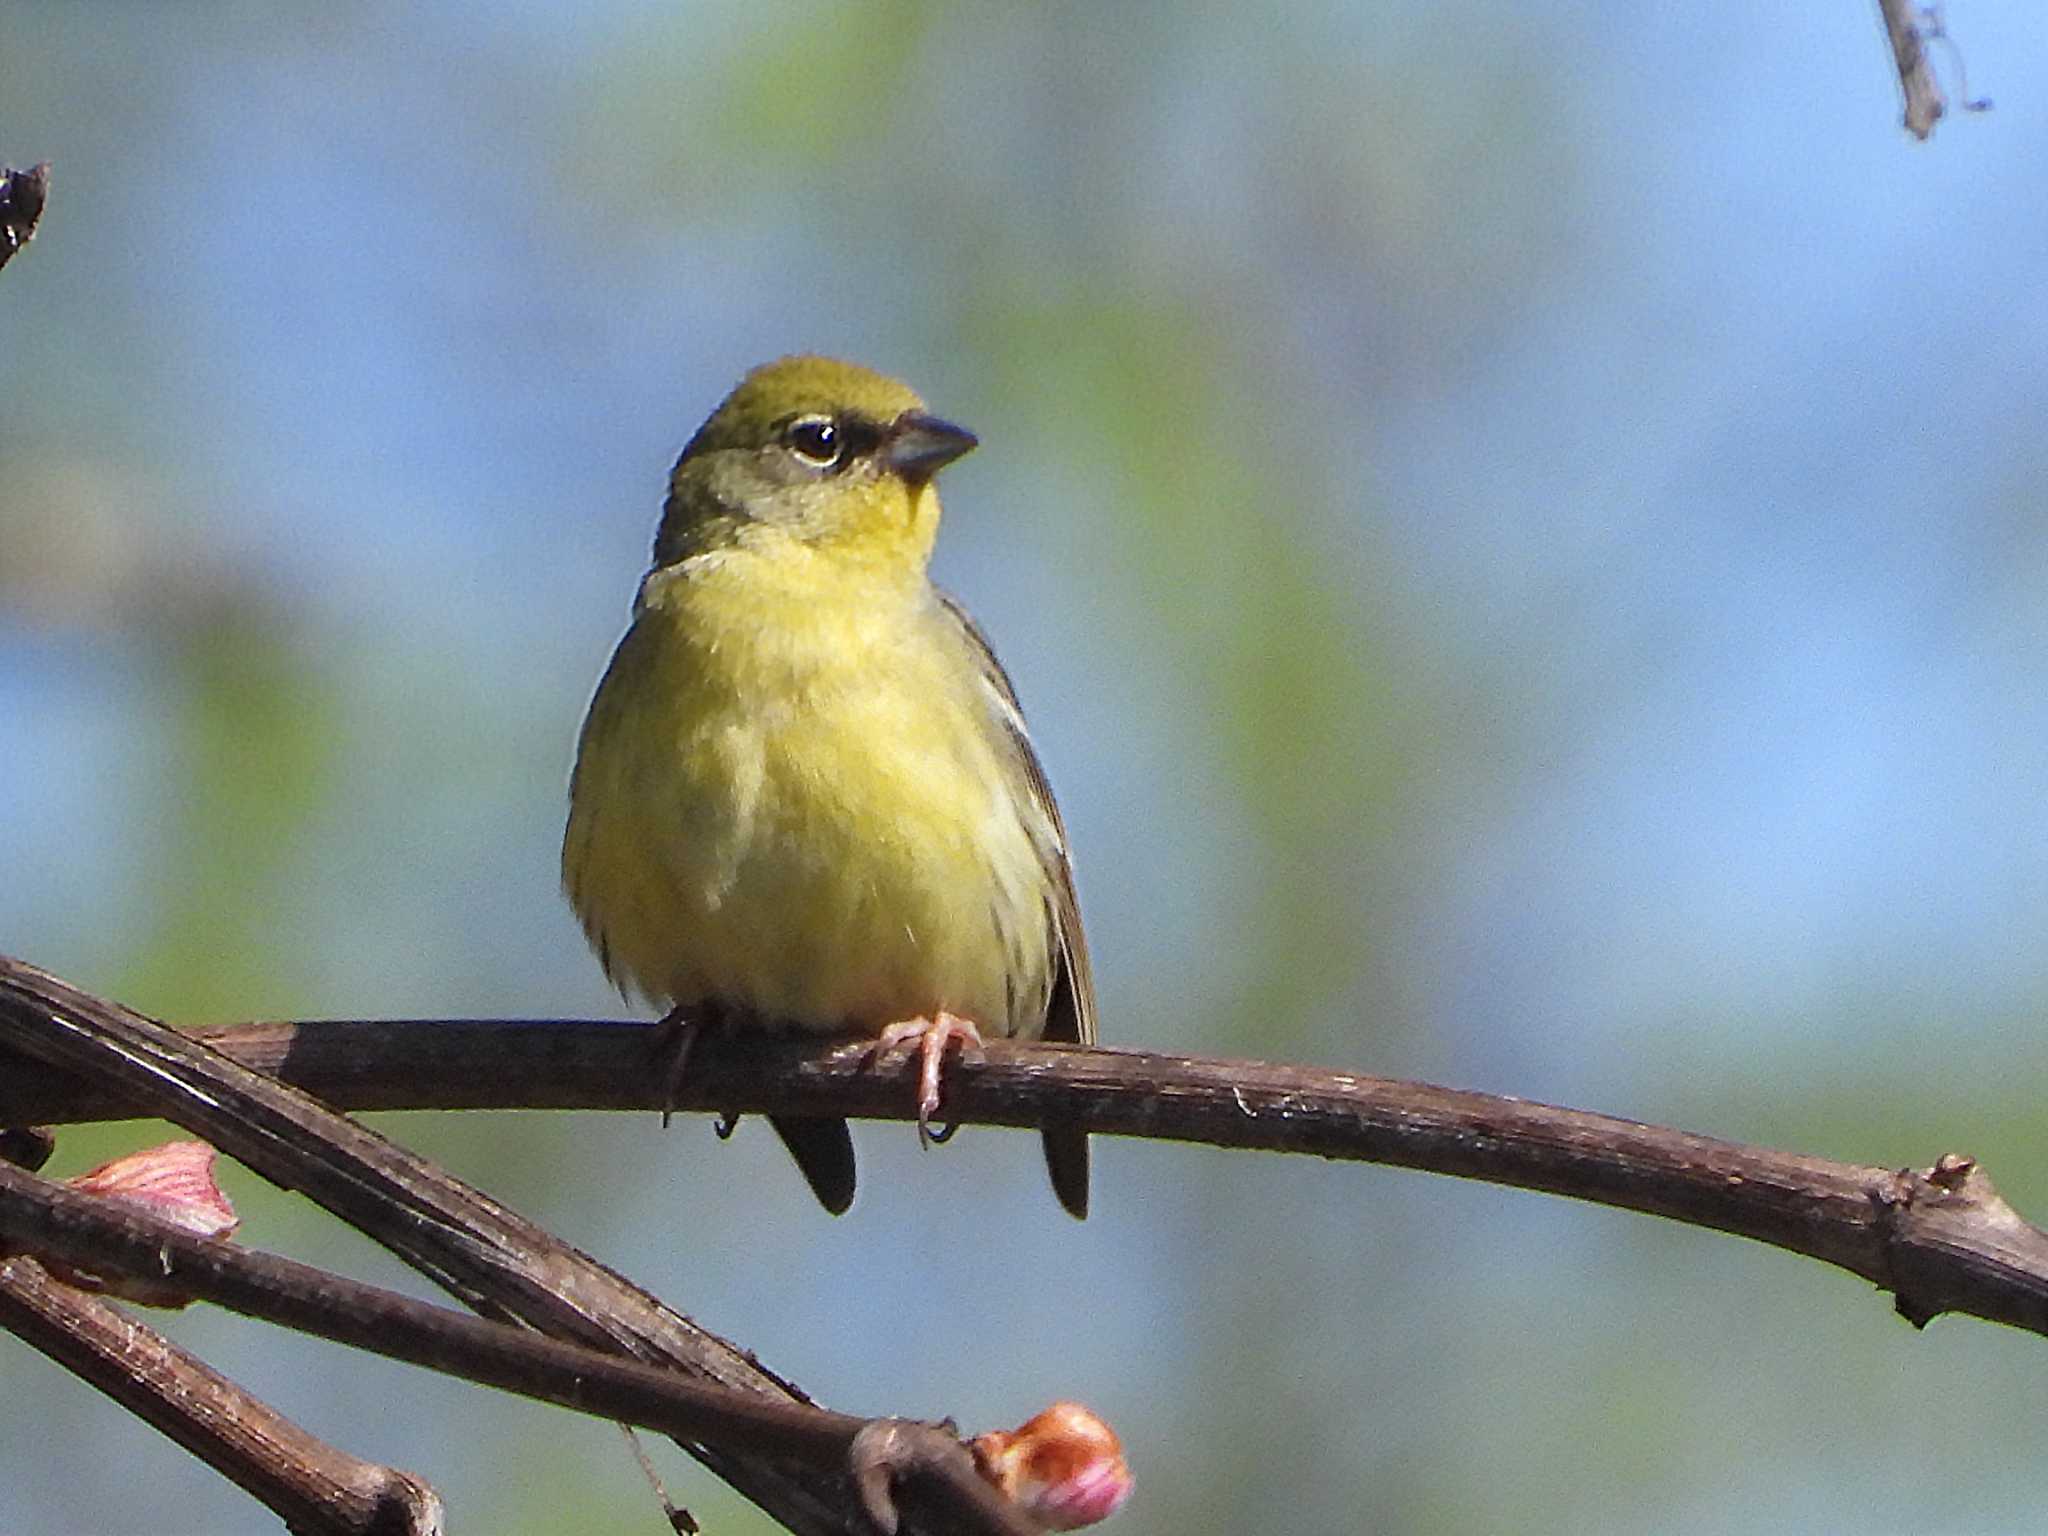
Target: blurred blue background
1519, 534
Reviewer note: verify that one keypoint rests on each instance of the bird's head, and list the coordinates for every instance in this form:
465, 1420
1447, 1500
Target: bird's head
821, 451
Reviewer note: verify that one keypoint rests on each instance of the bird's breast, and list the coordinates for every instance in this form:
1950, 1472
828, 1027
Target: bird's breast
795, 802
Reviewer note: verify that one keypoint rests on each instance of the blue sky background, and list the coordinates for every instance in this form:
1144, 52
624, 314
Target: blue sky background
1519, 534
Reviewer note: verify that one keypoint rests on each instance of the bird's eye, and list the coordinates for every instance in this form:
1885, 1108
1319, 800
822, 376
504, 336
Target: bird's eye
817, 439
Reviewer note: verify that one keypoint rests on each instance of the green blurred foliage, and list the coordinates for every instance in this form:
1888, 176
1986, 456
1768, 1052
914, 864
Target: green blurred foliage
249, 768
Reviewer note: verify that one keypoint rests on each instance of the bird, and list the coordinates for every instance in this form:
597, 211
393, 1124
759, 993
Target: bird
804, 797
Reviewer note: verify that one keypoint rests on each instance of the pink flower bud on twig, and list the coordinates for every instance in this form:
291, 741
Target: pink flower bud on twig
1066, 1467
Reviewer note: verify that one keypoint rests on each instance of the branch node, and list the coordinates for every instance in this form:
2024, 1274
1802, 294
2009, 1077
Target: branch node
878, 1453
887, 1452
1950, 1205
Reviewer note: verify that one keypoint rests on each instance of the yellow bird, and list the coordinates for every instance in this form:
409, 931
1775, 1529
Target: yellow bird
804, 797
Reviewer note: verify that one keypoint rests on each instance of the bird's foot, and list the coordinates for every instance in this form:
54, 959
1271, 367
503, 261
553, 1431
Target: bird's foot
929, 1037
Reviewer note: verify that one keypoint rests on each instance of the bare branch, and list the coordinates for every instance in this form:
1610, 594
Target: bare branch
58, 1223
493, 1260
314, 1488
1940, 1241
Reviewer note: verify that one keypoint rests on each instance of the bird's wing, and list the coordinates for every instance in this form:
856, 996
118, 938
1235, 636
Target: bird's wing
1070, 1015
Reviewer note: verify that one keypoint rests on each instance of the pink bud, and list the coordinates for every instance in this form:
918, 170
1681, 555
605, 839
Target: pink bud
1065, 1466
173, 1182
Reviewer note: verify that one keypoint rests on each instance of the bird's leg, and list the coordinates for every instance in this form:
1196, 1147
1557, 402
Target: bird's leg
930, 1037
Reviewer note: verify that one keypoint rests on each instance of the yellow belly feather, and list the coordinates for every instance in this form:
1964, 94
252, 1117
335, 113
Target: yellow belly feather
758, 818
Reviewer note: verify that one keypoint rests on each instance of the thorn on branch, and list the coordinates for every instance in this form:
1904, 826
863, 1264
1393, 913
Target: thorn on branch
1951, 1170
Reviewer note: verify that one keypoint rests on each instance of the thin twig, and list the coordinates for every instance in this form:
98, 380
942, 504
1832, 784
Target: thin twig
315, 1488
1924, 103
54, 1222
1940, 1241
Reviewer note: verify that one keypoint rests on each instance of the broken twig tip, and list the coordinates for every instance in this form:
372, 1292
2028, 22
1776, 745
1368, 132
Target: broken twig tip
22, 197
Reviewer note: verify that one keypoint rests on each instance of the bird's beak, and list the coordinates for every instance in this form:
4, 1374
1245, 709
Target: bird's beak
919, 446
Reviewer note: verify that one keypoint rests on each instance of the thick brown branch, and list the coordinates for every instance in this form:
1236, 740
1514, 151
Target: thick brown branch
54, 1222
316, 1489
1939, 1246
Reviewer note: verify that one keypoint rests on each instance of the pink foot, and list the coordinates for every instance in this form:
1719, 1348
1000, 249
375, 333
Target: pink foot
930, 1037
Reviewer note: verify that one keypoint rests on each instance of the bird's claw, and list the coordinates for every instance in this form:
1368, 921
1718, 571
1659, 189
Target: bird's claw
677, 1038
930, 1037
